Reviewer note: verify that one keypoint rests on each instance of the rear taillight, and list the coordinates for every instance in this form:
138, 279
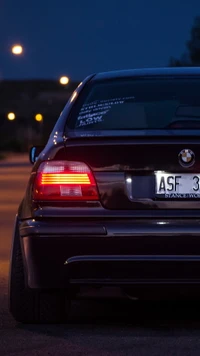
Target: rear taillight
64, 180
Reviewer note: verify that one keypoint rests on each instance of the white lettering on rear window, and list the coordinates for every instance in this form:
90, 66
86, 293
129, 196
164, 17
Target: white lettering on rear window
93, 112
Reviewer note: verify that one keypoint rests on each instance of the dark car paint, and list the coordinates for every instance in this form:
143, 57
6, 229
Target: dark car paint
117, 229
126, 251
149, 72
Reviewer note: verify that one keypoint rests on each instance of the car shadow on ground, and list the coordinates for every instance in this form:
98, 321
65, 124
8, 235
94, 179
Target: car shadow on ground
117, 317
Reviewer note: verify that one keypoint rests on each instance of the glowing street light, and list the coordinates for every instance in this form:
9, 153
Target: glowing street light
17, 49
11, 116
38, 117
64, 80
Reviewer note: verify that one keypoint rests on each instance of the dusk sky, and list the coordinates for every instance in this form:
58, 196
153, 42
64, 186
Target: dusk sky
80, 37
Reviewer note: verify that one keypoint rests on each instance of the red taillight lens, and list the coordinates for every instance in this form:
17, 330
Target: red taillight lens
62, 180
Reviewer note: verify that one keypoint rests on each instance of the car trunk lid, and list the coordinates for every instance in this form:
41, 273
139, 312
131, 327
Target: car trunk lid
131, 166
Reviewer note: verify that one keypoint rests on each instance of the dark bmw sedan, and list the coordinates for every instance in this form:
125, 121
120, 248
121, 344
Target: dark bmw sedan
113, 199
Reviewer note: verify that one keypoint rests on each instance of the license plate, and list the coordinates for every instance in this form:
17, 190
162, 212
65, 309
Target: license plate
177, 186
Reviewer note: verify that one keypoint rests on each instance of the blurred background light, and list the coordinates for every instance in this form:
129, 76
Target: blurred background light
17, 49
64, 80
11, 116
38, 117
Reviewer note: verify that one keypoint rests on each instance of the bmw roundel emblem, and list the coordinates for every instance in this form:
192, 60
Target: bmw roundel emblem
186, 158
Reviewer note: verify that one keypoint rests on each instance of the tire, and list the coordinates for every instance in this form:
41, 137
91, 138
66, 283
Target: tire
28, 305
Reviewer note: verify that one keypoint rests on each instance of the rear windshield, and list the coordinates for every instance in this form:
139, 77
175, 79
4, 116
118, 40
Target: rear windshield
138, 104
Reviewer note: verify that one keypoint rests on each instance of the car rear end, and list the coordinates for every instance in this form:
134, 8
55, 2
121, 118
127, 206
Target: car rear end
114, 198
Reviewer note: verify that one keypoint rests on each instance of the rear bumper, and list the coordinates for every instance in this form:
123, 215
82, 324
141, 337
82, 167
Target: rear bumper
58, 254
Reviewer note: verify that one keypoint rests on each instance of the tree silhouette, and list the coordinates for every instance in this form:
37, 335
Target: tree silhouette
191, 57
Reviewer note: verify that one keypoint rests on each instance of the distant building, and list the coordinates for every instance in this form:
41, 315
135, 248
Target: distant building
28, 97
24, 99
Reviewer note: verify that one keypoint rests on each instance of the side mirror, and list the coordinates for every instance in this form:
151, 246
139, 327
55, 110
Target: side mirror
34, 153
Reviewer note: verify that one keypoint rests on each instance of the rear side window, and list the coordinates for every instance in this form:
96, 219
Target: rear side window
138, 104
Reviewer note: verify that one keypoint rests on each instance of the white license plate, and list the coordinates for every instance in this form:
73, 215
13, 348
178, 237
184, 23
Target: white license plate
177, 186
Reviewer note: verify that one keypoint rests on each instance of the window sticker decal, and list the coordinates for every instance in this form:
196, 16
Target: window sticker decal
94, 112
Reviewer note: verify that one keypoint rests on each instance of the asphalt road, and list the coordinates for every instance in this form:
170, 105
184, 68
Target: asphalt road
94, 328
